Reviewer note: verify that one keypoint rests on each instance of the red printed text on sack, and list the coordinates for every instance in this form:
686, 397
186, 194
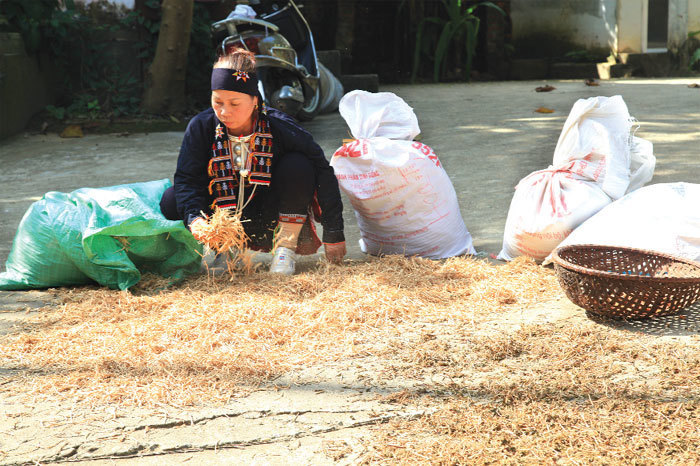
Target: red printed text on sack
427, 151
352, 149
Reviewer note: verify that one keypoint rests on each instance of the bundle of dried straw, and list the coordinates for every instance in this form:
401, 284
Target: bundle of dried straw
223, 233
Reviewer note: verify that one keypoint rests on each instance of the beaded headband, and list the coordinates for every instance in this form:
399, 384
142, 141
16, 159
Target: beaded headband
234, 80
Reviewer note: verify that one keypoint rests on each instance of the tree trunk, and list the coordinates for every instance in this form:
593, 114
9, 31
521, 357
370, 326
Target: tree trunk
165, 79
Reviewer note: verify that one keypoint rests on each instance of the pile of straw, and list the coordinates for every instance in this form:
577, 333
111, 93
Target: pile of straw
465, 431
210, 339
573, 393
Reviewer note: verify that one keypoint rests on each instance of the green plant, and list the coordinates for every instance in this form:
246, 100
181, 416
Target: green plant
135, 19
581, 56
459, 32
58, 113
87, 77
694, 62
30, 18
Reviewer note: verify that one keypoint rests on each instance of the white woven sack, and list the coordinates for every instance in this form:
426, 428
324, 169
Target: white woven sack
403, 199
662, 217
546, 207
595, 157
642, 163
597, 135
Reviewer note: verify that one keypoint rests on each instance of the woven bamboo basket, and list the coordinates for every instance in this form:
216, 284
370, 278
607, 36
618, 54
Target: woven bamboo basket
626, 283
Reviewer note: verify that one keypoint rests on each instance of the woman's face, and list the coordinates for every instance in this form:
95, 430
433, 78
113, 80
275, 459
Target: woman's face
235, 110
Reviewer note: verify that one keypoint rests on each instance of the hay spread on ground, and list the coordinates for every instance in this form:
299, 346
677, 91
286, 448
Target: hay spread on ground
459, 336
571, 393
465, 431
210, 339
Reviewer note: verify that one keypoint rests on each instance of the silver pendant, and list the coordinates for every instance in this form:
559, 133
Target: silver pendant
237, 148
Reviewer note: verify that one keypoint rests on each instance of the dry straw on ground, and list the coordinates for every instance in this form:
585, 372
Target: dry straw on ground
574, 432
210, 339
549, 393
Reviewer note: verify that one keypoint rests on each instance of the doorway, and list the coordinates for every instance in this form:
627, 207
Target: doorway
657, 26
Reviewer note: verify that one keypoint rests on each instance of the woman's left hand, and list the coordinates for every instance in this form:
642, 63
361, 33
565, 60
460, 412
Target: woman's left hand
335, 252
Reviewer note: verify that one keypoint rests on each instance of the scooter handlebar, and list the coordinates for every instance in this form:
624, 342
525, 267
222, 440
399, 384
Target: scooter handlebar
230, 24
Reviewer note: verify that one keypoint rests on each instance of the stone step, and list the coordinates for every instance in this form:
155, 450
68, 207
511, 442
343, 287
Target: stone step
331, 60
609, 70
566, 70
365, 82
648, 64
529, 68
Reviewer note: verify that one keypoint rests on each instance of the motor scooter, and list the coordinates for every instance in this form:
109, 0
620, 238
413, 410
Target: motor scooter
291, 78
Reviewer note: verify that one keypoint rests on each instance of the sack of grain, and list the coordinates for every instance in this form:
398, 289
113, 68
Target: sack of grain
596, 161
661, 217
403, 199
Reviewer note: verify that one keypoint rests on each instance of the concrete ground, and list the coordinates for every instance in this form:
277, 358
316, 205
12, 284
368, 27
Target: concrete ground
487, 136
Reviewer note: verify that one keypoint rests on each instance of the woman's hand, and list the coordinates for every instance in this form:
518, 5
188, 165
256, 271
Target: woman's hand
335, 252
196, 226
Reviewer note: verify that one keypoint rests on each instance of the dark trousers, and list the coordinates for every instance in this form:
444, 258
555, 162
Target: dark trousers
290, 192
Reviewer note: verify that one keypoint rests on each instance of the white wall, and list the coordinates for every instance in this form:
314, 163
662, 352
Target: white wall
693, 16
677, 23
632, 19
633, 16
590, 23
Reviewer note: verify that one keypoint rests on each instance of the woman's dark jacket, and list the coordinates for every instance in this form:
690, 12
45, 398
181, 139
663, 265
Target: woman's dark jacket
192, 180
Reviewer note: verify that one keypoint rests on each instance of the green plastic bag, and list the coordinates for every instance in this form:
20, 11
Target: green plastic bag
106, 235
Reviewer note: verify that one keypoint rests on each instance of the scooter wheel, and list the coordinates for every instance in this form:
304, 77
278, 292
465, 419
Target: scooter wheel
309, 111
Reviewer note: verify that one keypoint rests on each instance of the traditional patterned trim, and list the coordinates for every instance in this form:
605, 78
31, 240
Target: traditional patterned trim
221, 169
293, 218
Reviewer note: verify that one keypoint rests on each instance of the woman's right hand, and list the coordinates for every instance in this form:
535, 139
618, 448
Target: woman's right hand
335, 252
196, 228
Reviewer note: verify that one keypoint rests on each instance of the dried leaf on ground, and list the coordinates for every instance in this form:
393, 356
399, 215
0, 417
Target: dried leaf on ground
72, 131
546, 88
591, 82
544, 110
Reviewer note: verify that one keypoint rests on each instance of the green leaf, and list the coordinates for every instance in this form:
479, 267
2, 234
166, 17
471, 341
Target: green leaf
487, 4
472, 37
58, 113
694, 59
453, 9
441, 49
416, 52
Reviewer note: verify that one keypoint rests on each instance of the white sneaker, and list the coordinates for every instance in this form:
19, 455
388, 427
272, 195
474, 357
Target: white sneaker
283, 261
